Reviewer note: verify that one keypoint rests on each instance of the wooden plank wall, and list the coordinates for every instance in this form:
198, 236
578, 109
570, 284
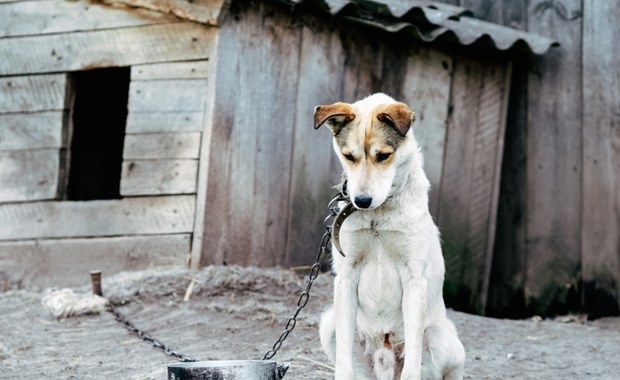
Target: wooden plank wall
469, 185
54, 243
163, 158
268, 187
558, 232
56, 36
32, 115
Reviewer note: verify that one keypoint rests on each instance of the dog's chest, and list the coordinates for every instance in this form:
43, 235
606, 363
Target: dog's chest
376, 255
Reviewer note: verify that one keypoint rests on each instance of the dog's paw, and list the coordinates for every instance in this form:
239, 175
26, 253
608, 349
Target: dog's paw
344, 375
410, 376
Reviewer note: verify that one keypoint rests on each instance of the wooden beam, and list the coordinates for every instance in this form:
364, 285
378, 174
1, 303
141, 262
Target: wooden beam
426, 89
27, 175
32, 93
106, 48
470, 178
250, 152
128, 216
67, 262
600, 228
154, 177
31, 130
162, 145
554, 167
202, 11
312, 178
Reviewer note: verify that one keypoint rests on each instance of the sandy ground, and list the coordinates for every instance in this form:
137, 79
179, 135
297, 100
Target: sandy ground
237, 313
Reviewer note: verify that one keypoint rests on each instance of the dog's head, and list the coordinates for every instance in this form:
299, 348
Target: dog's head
372, 139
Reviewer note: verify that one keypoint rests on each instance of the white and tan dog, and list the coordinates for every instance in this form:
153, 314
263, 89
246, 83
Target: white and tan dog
389, 316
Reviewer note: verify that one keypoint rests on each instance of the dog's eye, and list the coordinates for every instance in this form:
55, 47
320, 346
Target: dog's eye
382, 156
349, 157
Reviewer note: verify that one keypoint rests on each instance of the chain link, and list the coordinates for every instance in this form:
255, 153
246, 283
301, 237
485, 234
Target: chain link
146, 337
324, 248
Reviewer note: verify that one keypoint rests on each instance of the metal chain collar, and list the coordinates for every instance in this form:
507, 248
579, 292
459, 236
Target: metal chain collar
329, 223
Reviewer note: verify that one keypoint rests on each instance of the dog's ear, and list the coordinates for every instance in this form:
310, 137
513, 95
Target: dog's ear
398, 115
335, 116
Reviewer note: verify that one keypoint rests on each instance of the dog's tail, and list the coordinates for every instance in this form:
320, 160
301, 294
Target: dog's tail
384, 363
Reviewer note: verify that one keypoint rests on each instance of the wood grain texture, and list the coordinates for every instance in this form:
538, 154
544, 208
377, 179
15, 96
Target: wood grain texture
554, 167
470, 178
106, 48
22, 18
153, 121
128, 216
456, 183
426, 89
32, 93
28, 175
162, 145
505, 298
31, 130
176, 95
488, 150
156, 177
202, 11
171, 70
313, 159
250, 152
600, 229
41, 264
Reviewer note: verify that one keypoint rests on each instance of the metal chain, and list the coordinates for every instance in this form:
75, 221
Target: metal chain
146, 337
324, 247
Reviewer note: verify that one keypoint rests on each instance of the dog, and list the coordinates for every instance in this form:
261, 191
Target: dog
388, 319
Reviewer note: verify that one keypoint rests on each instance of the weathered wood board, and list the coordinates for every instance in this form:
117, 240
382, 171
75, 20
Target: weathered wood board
600, 228
154, 177
426, 89
28, 175
128, 216
31, 130
470, 179
177, 95
250, 151
162, 145
153, 121
32, 93
202, 11
554, 166
106, 48
313, 177
171, 70
67, 262
22, 18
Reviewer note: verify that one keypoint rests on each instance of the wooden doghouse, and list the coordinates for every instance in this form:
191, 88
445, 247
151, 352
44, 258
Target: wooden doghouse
220, 161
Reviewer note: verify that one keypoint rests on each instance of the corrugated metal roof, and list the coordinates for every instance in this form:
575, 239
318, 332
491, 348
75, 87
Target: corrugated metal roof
431, 21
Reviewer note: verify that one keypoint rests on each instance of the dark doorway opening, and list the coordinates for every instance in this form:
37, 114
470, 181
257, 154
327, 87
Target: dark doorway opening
98, 133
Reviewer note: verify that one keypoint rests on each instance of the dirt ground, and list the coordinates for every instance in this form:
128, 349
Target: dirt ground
237, 313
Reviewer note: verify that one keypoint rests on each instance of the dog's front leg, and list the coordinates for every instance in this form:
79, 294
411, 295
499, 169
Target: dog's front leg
415, 290
345, 310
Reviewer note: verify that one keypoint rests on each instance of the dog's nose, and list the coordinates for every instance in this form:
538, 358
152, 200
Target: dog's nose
363, 201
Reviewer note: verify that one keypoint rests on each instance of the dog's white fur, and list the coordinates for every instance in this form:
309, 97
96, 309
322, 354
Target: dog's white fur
388, 320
